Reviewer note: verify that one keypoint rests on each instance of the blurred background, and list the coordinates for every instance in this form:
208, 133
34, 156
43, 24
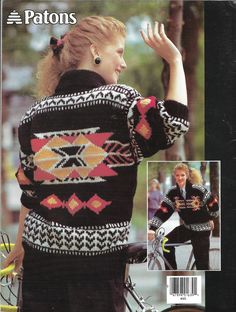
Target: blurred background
23, 46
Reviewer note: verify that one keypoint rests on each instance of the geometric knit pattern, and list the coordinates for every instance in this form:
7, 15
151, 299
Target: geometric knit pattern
203, 207
112, 95
174, 126
198, 227
156, 222
169, 202
143, 106
213, 214
137, 153
194, 203
74, 203
206, 196
84, 240
77, 156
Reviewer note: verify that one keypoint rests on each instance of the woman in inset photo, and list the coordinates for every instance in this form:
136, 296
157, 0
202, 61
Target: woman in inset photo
196, 207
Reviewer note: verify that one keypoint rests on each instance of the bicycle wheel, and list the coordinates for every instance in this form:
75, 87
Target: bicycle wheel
185, 308
214, 255
214, 260
154, 264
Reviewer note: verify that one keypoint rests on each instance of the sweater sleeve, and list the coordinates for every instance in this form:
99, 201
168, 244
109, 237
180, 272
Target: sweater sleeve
162, 214
155, 124
25, 171
211, 205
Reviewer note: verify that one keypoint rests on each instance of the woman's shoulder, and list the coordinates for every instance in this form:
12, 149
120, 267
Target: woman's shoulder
172, 190
26, 117
199, 187
121, 88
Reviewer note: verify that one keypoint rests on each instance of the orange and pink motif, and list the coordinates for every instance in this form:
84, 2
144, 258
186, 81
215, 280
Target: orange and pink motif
143, 127
74, 204
77, 156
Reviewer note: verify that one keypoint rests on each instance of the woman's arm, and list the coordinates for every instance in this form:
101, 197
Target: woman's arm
177, 85
165, 48
23, 213
17, 253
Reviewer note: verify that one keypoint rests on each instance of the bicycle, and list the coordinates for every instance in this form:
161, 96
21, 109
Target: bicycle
135, 253
9, 279
159, 247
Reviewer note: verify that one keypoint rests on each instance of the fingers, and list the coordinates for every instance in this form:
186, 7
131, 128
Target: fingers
162, 32
156, 31
144, 36
154, 36
149, 32
7, 261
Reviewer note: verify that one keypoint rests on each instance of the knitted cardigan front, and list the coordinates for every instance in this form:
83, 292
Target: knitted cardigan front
196, 209
79, 153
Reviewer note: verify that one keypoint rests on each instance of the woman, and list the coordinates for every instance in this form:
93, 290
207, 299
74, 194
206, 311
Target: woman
80, 149
154, 198
196, 207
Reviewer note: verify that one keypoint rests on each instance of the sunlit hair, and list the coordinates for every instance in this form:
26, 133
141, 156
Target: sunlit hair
93, 29
183, 167
195, 176
156, 182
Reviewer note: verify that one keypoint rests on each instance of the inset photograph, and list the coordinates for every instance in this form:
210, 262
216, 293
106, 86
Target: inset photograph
183, 215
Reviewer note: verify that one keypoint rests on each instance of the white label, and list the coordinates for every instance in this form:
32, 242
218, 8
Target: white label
184, 289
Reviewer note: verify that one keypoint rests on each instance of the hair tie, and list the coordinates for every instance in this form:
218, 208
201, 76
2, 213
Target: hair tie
57, 44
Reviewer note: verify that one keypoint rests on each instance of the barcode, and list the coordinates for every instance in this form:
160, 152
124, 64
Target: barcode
183, 289
183, 285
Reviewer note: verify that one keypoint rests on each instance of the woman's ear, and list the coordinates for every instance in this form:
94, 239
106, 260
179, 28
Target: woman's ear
94, 50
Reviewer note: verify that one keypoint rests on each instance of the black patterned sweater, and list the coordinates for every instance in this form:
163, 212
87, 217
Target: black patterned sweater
196, 210
79, 153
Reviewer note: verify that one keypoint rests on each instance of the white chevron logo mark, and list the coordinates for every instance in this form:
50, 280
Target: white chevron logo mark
14, 17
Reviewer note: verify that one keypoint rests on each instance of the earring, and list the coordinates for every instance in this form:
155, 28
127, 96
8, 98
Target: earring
97, 60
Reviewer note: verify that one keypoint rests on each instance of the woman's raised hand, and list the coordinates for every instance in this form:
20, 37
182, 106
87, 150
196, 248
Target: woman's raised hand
160, 43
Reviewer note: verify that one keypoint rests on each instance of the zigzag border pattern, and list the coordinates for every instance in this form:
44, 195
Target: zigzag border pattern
138, 155
156, 222
198, 227
114, 95
168, 202
53, 237
174, 126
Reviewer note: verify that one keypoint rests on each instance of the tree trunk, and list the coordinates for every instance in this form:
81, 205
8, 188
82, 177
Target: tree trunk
192, 21
214, 182
203, 168
174, 32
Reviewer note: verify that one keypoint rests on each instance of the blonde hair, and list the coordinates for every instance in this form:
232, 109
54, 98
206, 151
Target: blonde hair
195, 176
93, 29
183, 167
156, 182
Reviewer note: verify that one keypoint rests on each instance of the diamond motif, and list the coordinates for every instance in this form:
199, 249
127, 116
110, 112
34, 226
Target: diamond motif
74, 204
52, 201
97, 204
144, 129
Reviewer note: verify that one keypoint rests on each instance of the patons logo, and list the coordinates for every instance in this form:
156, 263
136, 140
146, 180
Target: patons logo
40, 18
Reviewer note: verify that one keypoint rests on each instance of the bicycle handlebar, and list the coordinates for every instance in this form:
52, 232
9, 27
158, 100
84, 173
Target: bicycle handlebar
10, 268
5, 308
164, 241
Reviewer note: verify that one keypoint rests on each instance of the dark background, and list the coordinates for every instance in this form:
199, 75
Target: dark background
220, 143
